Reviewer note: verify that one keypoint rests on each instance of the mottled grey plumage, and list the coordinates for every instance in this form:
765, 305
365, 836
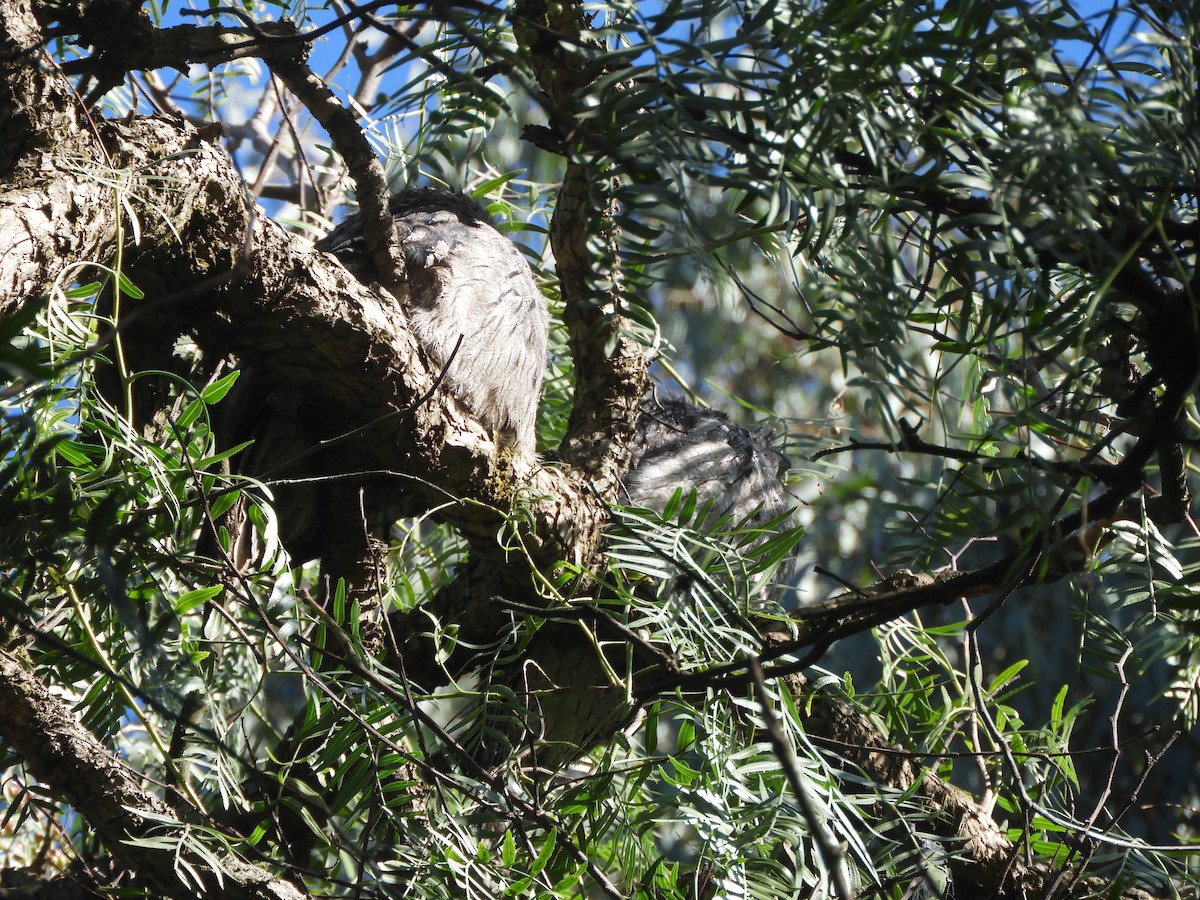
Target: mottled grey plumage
678, 445
466, 281
465, 278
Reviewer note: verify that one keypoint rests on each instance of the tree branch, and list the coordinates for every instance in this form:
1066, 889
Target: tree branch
107, 26
610, 367
65, 755
988, 865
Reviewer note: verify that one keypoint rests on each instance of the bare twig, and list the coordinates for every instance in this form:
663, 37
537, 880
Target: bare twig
833, 856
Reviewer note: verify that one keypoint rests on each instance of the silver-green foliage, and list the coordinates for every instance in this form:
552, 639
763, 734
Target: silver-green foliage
942, 202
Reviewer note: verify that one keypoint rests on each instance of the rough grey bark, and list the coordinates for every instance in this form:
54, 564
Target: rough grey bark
61, 752
312, 328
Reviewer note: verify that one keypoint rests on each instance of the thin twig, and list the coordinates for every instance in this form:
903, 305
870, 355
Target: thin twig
833, 855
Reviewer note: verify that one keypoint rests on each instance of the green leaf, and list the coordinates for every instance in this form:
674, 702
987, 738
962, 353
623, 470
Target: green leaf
83, 291
508, 849
544, 854
128, 288
198, 597
216, 391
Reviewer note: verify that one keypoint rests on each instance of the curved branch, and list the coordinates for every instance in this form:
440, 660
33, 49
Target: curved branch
610, 367
126, 40
65, 755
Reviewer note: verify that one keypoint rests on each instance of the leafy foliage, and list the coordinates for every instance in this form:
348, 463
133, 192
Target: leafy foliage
956, 240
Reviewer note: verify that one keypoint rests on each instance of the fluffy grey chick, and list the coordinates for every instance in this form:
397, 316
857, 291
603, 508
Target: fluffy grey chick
468, 283
466, 279
678, 445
